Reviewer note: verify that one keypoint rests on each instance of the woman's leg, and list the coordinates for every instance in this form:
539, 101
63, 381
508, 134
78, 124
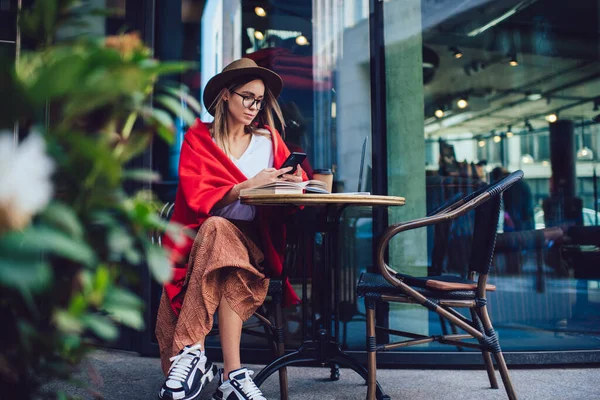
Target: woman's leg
230, 332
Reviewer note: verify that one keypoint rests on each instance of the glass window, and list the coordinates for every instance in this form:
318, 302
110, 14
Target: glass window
506, 84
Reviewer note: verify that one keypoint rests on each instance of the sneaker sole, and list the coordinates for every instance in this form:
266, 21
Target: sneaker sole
208, 376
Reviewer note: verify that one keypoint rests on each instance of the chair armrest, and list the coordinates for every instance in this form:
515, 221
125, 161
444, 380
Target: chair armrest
443, 216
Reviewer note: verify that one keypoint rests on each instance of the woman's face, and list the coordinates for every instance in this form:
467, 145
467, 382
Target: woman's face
238, 113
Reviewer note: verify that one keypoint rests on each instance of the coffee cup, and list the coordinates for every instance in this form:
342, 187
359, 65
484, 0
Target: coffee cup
324, 175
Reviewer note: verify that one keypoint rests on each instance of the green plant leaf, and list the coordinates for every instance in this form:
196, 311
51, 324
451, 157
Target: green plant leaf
46, 240
174, 106
58, 77
162, 121
67, 322
119, 297
119, 241
132, 256
63, 217
102, 281
184, 95
166, 68
124, 307
159, 264
78, 304
100, 325
128, 317
143, 175
24, 274
135, 145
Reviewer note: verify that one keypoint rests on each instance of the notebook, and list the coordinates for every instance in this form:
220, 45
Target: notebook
285, 187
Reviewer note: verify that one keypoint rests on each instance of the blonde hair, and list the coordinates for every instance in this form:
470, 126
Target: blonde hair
266, 116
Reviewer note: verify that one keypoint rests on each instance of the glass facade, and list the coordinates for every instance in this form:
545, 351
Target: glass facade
423, 99
504, 85
467, 92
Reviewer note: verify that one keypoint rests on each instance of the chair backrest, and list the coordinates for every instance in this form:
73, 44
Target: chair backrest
449, 245
165, 213
484, 235
440, 238
486, 223
486, 203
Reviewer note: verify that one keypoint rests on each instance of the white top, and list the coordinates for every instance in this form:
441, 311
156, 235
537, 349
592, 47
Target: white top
258, 156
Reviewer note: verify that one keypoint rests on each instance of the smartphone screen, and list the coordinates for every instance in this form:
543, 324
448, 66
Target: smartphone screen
293, 160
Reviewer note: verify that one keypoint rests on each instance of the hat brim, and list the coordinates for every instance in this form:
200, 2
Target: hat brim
214, 86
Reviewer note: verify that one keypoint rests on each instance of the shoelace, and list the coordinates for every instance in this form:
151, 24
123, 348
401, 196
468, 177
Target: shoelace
181, 364
250, 387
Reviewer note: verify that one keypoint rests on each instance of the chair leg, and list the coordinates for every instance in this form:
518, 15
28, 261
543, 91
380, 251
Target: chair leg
489, 366
487, 358
280, 350
510, 390
371, 351
487, 324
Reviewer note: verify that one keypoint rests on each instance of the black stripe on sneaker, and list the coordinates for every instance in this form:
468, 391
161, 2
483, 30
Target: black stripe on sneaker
218, 395
239, 389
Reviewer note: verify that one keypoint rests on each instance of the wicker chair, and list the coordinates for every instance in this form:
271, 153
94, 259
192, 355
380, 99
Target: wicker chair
442, 294
269, 324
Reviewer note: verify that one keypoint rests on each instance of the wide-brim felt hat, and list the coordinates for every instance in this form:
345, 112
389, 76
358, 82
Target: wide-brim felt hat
241, 67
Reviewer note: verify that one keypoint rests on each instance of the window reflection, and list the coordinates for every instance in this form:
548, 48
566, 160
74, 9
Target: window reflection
507, 85
470, 89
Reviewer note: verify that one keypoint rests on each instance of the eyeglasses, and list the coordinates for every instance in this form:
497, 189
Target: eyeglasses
249, 101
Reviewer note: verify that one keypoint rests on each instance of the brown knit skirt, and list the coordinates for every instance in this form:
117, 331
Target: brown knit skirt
224, 263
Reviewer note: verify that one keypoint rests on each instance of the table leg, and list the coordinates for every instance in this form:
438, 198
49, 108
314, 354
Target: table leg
310, 352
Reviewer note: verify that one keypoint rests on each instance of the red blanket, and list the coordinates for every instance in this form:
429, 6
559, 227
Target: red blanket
206, 174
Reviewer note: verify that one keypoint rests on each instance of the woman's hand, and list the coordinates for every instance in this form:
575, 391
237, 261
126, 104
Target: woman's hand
266, 176
297, 177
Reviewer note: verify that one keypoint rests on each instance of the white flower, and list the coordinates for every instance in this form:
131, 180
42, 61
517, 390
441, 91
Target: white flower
25, 186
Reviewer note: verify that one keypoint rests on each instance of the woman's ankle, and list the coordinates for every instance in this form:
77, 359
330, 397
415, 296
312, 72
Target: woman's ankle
227, 369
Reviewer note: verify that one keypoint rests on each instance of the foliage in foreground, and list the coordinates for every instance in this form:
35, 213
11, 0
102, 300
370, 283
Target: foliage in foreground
74, 234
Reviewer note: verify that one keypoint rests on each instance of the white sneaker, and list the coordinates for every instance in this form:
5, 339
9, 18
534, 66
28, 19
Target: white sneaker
190, 371
239, 387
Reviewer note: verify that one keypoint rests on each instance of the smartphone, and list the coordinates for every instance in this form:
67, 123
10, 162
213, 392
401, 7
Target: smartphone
293, 160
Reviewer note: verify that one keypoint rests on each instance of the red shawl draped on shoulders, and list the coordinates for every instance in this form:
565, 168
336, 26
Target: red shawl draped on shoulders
206, 175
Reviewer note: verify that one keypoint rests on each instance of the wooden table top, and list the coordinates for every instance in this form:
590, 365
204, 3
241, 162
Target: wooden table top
322, 199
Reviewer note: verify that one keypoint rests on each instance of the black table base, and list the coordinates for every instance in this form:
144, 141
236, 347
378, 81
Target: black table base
324, 351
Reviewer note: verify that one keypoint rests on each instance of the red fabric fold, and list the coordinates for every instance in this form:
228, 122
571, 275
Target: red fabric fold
206, 175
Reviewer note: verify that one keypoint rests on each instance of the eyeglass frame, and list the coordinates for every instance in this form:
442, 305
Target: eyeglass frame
260, 104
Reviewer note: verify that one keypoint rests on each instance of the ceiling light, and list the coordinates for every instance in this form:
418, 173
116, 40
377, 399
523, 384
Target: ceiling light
260, 11
497, 139
462, 103
534, 96
456, 52
439, 112
259, 35
481, 143
302, 40
527, 159
552, 118
509, 132
513, 61
585, 154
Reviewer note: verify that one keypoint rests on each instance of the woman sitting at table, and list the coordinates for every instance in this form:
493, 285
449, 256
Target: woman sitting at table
221, 269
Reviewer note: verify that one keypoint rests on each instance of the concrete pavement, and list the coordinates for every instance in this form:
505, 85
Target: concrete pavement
120, 375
